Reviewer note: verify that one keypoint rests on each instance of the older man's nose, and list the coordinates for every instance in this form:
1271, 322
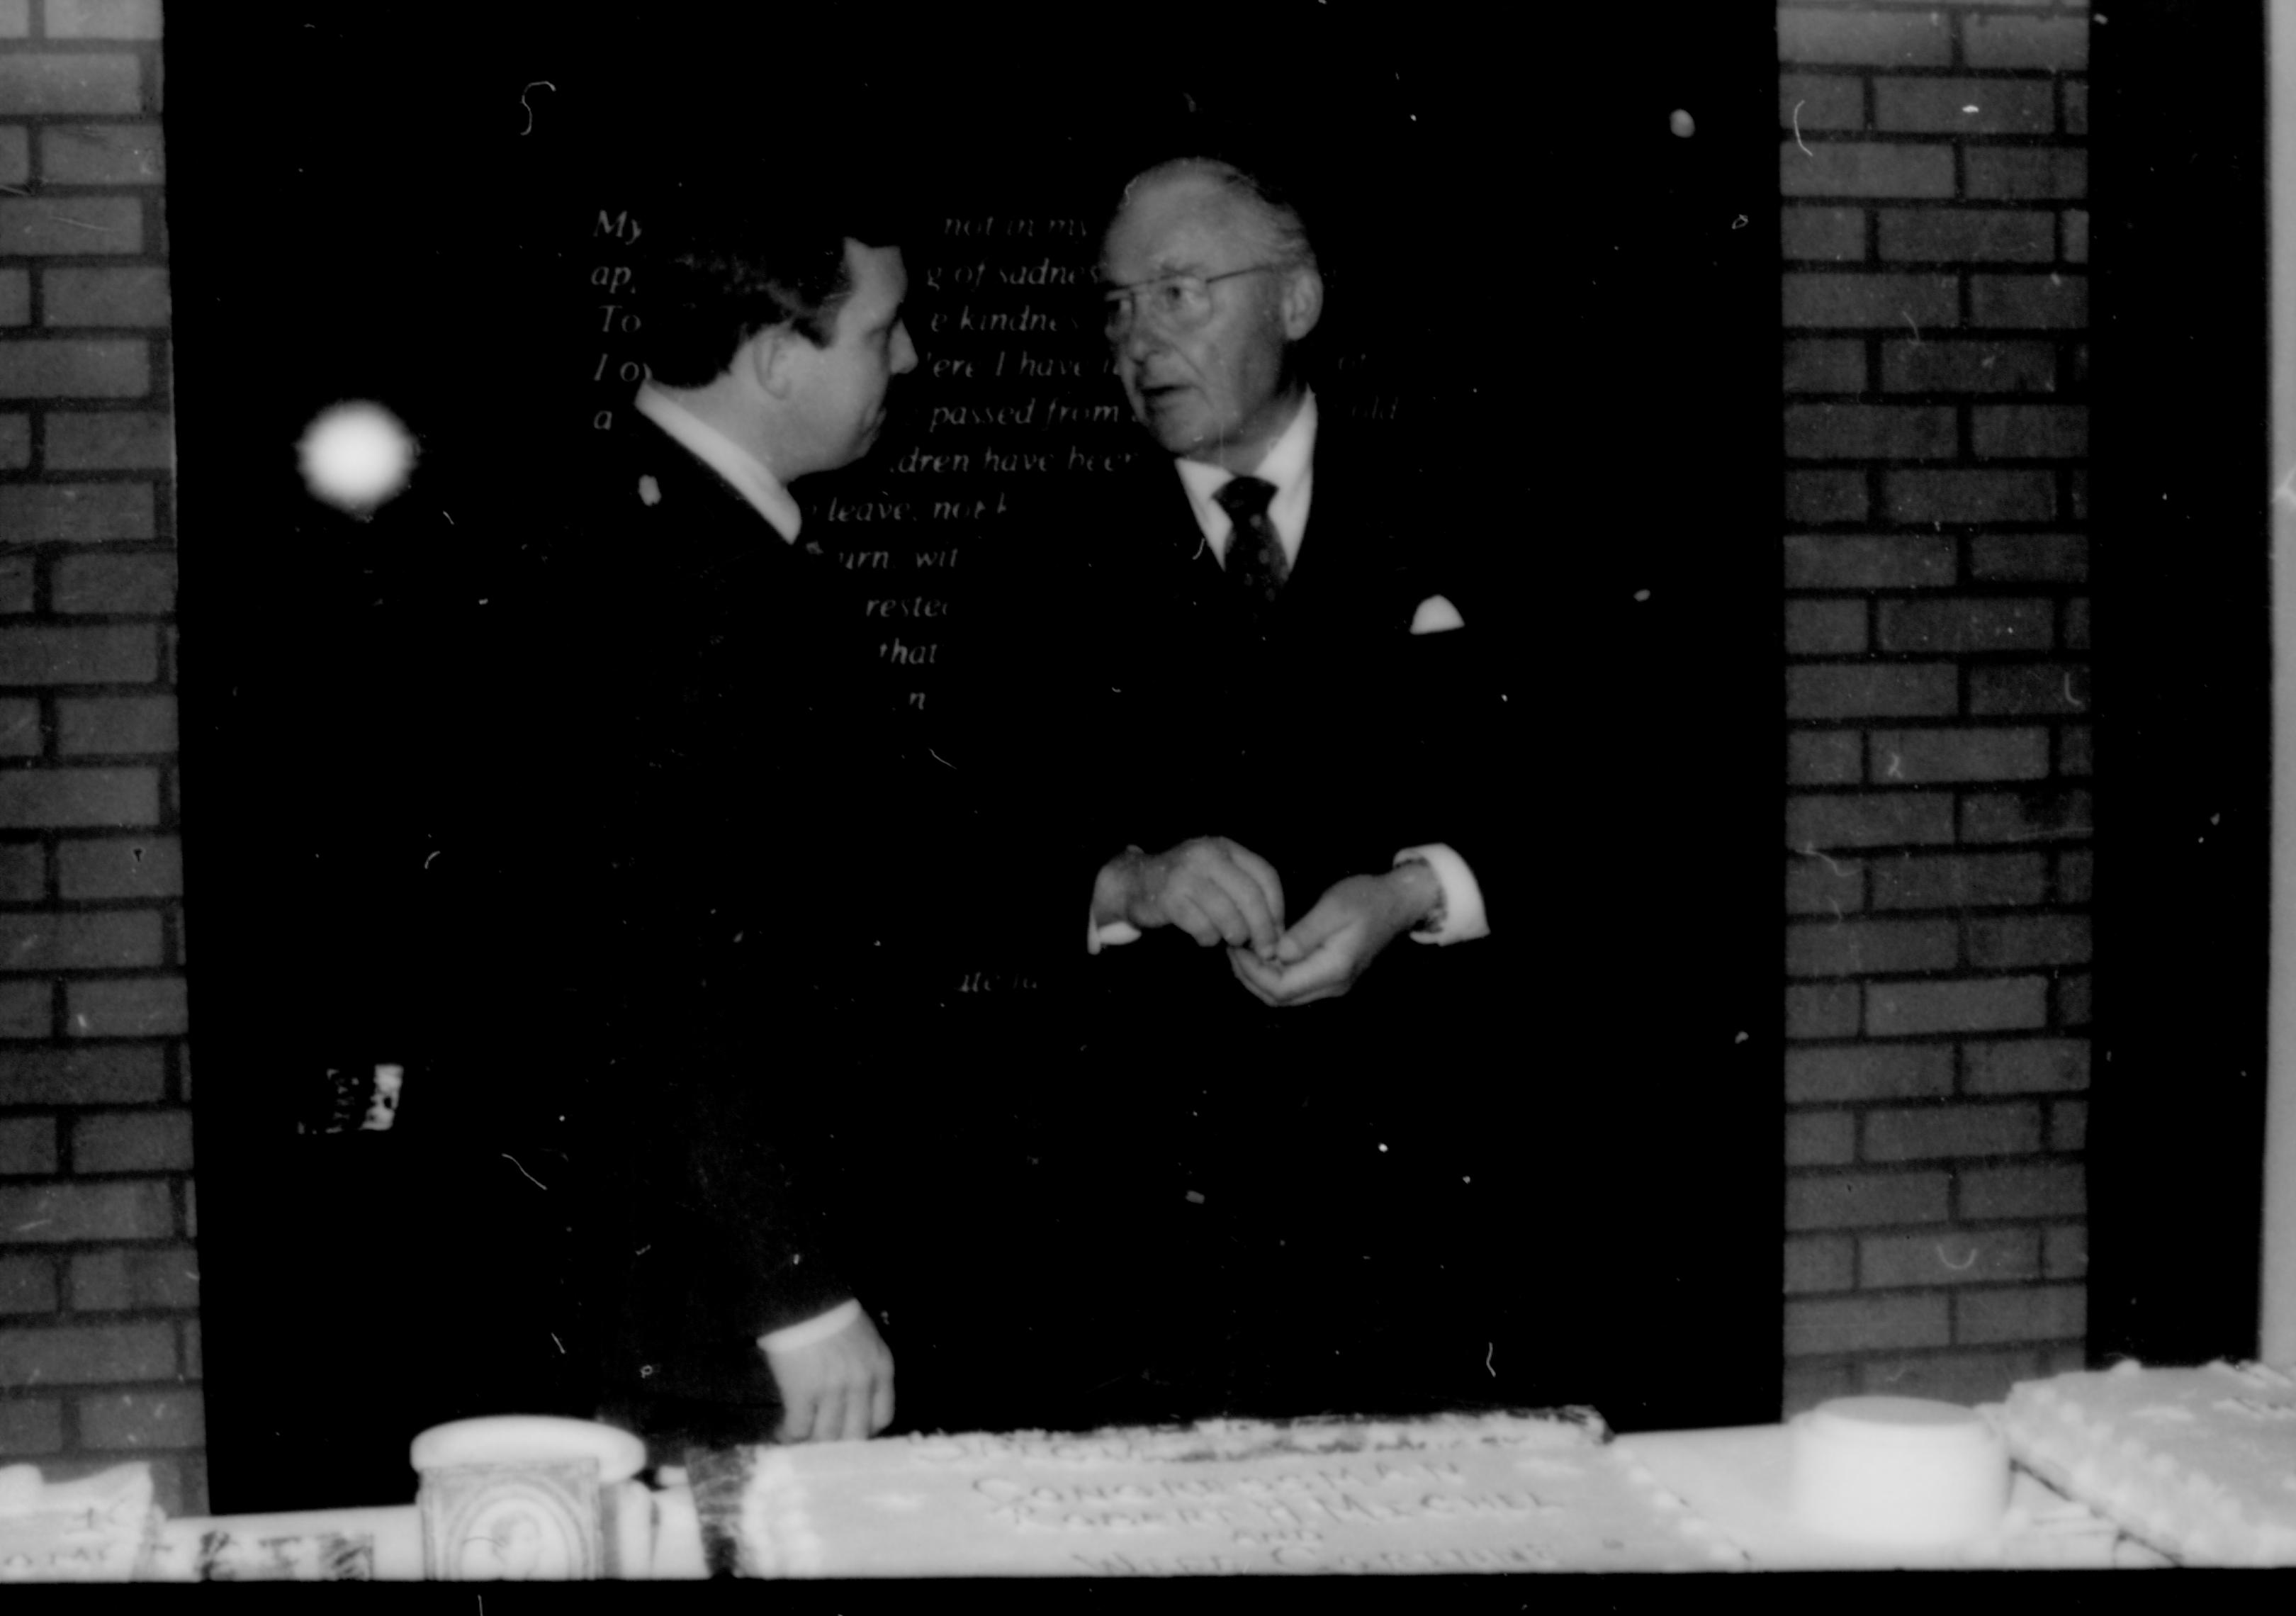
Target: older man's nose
1140, 339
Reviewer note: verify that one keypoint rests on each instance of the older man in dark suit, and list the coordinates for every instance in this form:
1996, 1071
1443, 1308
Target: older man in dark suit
1285, 1149
1322, 588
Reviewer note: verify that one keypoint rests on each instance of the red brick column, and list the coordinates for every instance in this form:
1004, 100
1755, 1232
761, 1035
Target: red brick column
1933, 167
99, 1280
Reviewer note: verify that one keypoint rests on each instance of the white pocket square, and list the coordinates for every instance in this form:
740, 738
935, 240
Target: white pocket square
1435, 614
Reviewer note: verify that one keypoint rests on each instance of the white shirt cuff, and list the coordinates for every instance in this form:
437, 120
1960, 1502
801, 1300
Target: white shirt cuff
813, 1331
1460, 916
1096, 937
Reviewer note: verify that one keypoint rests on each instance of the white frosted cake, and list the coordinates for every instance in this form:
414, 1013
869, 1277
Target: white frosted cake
1498, 1493
2198, 1463
1905, 1471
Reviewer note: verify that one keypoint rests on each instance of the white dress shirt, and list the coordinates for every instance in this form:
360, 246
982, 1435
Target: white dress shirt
1290, 464
750, 476
812, 1331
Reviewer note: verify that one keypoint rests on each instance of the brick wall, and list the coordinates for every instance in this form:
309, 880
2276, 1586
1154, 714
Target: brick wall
1933, 170
99, 1277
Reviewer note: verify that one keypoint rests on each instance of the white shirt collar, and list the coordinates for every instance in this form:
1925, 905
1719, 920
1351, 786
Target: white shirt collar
750, 477
1288, 463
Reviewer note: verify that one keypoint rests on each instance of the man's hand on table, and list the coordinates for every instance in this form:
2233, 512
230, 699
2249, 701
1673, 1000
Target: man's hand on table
839, 1389
1323, 954
1210, 888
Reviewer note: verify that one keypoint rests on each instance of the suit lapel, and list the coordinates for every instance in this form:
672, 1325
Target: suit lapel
1347, 548
1358, 521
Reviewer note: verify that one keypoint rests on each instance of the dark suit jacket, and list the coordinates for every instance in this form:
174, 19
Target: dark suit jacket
715, 853
1273, 1209
1340, 735
1325, 738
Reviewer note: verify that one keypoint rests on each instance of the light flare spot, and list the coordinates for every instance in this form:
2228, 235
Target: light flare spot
356, 456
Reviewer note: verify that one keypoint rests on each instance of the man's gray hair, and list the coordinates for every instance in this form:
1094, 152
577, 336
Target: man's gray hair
1261, 209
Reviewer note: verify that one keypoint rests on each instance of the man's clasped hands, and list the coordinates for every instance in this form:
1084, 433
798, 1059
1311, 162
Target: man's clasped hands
1219, 891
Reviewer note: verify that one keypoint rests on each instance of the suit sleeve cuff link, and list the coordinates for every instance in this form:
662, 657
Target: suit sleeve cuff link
813, 1331
1458, 915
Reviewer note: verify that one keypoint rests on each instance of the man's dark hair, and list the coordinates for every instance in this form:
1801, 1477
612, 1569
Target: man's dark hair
729, 261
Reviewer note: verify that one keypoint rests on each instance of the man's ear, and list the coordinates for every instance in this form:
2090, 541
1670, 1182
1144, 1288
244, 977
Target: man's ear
1303, 302
771, 357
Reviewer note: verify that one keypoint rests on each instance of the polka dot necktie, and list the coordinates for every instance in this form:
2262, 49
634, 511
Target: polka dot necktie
1255, 555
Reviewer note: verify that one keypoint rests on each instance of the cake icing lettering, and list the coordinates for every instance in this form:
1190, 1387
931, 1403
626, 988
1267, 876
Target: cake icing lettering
1485, 1504
2255, 1410
1493, 1493
1155, 1566
1419, 1473
2262, 1377
1303, 1557
1288, 1502
1265, 1538
1347, 1508
1451, 1559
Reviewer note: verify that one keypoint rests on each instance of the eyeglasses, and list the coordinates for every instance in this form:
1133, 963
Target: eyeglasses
1174, 303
